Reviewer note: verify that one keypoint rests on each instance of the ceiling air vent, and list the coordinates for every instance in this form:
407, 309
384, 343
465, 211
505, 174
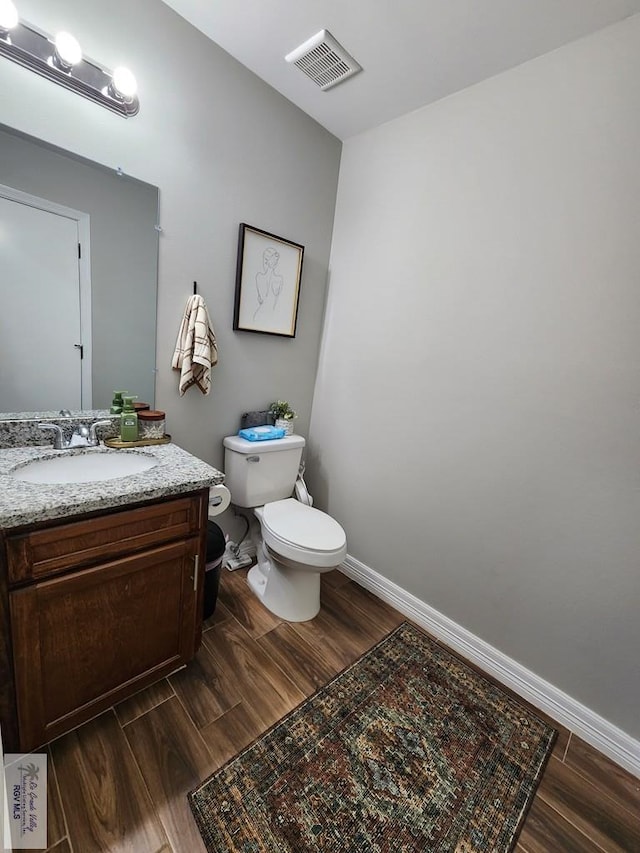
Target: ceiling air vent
324, 60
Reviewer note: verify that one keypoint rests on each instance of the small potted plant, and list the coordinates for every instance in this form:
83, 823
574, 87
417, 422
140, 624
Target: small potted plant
283, 415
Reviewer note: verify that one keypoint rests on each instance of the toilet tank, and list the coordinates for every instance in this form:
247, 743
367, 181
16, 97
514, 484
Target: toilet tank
258, 472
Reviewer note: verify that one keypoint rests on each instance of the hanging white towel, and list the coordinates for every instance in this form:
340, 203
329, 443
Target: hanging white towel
196, 351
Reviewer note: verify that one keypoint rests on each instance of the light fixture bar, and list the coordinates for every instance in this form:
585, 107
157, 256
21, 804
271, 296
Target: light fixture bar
34, 49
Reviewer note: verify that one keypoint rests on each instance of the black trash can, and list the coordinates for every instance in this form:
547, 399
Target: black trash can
216, 545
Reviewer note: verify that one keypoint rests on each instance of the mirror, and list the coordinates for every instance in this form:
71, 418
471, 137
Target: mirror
74, 327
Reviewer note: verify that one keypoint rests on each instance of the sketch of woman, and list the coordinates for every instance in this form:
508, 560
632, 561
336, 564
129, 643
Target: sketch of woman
269, 283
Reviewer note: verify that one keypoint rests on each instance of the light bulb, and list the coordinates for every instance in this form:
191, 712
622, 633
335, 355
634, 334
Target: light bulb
8, 16
68, 51
124, 84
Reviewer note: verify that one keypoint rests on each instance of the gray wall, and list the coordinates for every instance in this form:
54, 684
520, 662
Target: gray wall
476, 420
124, 259
223, 148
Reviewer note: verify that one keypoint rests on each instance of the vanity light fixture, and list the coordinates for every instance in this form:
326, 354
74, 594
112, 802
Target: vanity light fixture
60, 59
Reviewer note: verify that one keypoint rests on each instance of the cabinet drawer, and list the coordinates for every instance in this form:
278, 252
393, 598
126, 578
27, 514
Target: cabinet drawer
66, 546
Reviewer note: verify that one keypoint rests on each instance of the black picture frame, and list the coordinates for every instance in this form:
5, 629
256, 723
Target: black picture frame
268, 278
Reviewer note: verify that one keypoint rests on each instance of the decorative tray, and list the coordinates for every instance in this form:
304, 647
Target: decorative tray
141, 442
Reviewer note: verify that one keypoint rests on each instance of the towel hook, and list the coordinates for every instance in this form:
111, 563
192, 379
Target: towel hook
195, 288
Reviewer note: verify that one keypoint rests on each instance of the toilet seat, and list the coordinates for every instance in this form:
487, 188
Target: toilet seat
303, 534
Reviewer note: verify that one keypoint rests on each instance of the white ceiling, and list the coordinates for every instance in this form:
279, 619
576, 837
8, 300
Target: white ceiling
413, 52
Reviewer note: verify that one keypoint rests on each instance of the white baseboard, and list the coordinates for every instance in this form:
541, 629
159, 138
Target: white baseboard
594, 729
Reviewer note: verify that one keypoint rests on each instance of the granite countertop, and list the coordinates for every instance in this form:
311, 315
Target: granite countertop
20, 429
176, 472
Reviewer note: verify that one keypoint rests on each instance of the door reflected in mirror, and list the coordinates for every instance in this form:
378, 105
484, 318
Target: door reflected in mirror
78, 292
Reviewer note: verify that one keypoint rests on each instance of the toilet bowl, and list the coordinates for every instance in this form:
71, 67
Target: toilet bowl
295, 543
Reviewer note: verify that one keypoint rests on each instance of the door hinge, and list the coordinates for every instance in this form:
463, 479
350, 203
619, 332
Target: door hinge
79, 250
81, 348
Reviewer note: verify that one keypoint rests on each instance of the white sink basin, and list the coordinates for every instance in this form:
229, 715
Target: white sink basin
83, 468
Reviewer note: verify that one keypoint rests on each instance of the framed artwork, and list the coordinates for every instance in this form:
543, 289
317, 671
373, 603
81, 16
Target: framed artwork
267, 283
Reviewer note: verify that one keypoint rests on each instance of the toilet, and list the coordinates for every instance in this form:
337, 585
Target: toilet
295, 543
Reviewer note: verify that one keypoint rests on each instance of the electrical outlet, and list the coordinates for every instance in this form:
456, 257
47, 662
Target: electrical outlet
241, 562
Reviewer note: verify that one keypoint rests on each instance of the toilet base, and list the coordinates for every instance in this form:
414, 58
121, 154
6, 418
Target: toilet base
291, 594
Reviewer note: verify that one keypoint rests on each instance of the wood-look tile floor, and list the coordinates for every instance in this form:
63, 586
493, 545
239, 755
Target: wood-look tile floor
119, 782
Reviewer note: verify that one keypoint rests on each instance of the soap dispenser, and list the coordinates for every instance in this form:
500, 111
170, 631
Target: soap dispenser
129, 420
117, 403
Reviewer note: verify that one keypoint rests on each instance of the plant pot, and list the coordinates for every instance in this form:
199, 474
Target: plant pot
286, 424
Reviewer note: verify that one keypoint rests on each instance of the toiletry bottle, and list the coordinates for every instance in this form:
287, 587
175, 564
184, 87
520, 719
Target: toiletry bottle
116, 403
128, 420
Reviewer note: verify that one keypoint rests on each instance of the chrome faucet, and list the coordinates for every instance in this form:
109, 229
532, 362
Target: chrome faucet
59, 442
94, 441
88, 435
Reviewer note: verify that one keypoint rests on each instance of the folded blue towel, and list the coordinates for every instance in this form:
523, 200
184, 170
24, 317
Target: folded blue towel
262, 433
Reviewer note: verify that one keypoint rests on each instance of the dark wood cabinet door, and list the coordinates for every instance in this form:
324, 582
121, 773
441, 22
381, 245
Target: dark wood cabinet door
83, 641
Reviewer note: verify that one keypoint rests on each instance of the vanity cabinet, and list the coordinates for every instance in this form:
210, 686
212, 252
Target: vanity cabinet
100, 608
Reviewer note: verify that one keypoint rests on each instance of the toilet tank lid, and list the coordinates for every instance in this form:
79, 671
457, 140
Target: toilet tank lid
241, 445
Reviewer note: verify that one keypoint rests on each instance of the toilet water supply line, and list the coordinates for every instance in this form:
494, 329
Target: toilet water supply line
233, 558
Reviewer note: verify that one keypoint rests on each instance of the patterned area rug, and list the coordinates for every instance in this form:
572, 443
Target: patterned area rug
406, 750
